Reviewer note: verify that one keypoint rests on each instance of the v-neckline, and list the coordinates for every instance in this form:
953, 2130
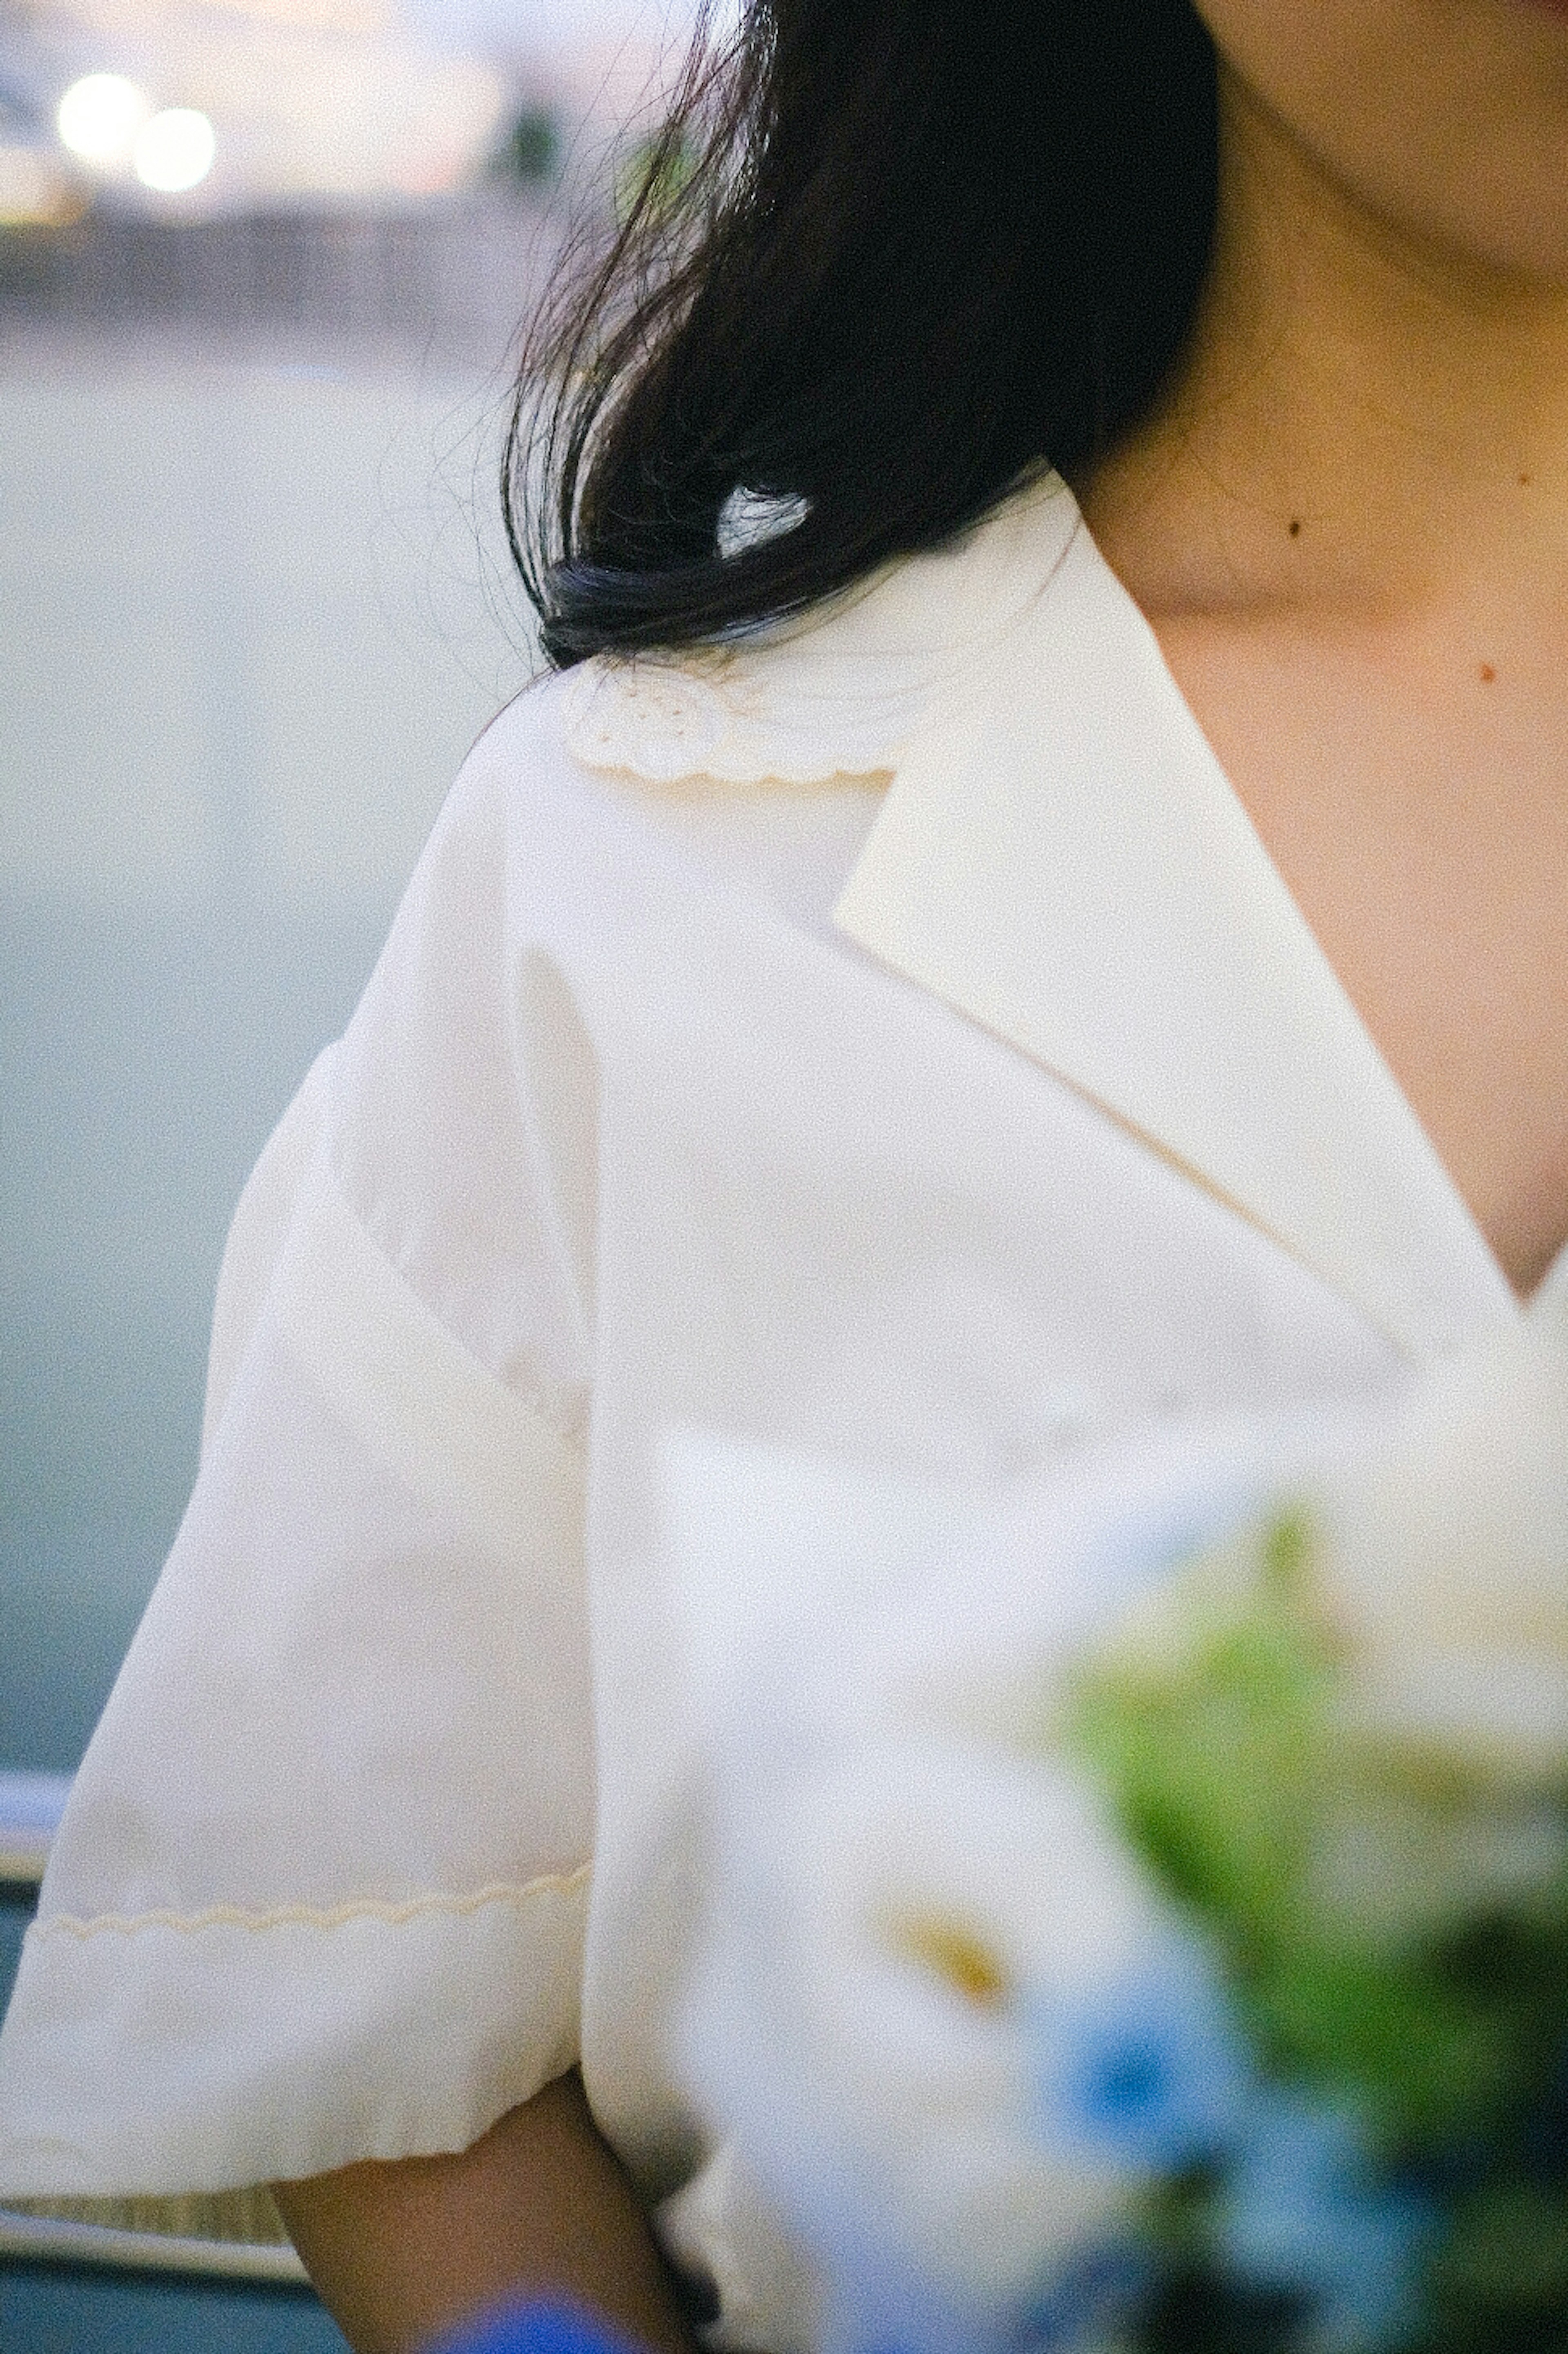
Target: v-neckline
1543, 1295
1061, 855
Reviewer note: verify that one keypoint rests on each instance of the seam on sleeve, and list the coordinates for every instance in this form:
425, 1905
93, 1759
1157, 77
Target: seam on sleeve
421, 1402
382, 1284
312, 1916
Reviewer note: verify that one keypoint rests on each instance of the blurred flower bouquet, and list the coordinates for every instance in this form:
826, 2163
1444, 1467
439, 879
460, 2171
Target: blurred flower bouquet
1142, 1913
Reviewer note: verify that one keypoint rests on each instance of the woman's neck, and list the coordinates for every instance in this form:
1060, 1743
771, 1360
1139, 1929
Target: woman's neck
1364, 422
1348, 524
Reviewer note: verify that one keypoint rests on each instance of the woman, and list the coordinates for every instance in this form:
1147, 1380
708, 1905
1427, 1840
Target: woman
1185, 1024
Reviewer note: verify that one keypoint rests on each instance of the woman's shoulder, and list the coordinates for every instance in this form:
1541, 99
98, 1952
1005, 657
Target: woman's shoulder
837, 692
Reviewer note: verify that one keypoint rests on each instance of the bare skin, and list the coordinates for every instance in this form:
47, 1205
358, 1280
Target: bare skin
399, 2252
1348, 524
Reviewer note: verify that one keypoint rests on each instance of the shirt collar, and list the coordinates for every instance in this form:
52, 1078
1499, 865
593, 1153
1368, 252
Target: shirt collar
840, 692
1060, 858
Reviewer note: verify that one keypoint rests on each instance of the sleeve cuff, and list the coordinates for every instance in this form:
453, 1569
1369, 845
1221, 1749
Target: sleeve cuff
372, 2030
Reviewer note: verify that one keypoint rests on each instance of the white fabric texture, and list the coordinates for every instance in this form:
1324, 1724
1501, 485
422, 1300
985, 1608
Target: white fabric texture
630, 1134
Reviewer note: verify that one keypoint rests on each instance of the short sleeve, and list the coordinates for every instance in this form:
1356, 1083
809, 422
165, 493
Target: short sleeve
320, 1891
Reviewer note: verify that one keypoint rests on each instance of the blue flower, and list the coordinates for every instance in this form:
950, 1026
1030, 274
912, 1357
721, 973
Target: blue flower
1148, 2073
546, 2326
1084, 2303
1303, 2210
889, 2309
886, 2304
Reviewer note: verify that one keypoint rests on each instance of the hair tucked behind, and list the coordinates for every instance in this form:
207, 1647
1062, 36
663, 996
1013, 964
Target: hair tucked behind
888, 255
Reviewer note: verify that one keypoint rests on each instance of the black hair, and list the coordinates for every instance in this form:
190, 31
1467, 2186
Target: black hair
884, 257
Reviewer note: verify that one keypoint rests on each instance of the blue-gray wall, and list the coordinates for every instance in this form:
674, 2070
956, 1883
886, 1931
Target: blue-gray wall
252, 616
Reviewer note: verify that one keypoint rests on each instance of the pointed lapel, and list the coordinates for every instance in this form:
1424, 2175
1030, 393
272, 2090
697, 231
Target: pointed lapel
1060, 858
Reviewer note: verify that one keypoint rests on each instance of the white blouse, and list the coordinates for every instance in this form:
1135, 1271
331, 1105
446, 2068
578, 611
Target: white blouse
889, 1040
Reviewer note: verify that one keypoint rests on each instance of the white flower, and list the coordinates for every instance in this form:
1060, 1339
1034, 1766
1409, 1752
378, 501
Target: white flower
896, 1925
1445, 1559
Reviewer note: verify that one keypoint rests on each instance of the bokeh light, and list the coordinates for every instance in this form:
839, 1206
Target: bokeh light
174, 151
100, 117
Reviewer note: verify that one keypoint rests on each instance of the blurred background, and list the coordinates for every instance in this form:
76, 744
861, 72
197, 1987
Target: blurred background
262, 267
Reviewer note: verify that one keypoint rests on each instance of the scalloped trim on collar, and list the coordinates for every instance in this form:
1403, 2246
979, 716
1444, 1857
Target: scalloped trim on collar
838, 693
